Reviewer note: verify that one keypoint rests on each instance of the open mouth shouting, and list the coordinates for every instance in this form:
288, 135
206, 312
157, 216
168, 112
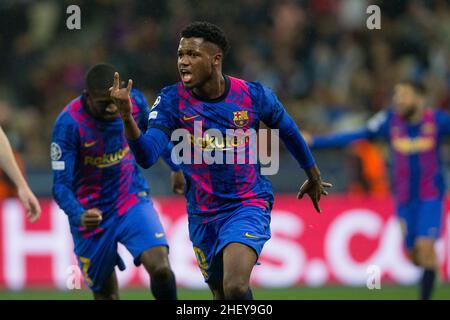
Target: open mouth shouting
186, 76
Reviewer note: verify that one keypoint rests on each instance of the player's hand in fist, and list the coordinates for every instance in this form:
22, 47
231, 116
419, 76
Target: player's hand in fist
122, 97
90, 219
178, 182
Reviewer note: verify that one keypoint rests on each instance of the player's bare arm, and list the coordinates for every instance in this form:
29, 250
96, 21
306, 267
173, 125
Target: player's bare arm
121, 98
314, 187
9, 165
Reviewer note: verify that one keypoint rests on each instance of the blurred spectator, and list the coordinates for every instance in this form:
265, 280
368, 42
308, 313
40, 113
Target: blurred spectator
317, 55
369, 176
7, 187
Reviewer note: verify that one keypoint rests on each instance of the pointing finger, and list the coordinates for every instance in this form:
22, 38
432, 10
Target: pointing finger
116, 84
316, 205
130, 85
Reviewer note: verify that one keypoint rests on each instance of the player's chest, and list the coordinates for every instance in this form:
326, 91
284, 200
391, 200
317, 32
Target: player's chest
410, 140
217, 116
103, 148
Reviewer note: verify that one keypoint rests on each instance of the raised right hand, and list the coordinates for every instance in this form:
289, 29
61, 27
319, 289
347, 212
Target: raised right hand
122, 97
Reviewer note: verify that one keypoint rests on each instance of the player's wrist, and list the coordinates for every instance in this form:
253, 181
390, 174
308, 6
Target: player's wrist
22, 187
127, 118
313, 173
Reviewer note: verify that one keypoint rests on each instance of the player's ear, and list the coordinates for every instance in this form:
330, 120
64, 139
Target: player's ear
217, 59
88, 97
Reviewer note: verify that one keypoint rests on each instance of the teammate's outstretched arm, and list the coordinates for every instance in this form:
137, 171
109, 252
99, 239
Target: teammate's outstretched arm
146, 147
339, 140
376, 128
443, 119
9, 165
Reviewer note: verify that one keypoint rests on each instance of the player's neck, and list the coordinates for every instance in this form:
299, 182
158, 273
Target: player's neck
212, 89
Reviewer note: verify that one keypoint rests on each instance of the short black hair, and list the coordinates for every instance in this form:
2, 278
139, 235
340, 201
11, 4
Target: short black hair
417, 86
100, 77
209, 32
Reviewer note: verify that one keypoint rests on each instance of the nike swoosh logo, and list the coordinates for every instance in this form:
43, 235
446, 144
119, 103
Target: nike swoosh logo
90, 144
190, 118
248, 235
159, 235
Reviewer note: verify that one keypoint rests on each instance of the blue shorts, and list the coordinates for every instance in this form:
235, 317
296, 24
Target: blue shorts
248, 225
138, 229
421, 219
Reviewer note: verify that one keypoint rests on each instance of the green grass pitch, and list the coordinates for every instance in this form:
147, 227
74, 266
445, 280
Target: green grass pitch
387, 292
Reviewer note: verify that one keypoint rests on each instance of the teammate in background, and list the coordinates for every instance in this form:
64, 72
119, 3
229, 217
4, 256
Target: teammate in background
415, 134
228, 205
97, 183
11, 168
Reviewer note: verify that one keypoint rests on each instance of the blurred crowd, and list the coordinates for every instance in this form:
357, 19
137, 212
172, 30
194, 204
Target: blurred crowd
329, 70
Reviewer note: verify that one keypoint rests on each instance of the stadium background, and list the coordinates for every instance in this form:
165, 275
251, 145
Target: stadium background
328, 69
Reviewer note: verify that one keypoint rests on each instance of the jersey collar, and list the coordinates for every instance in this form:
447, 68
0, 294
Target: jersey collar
218, 99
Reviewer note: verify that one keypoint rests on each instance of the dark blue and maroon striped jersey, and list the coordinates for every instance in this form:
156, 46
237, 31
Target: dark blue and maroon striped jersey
93, 165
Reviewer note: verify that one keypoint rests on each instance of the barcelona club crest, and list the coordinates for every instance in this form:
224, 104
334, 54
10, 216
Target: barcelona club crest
240, 118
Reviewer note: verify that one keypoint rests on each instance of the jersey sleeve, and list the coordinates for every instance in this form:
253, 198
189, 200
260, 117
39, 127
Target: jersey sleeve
273, 114
163, 114
443, 120
143, 120
376, 127
64, 151
270, 108
167, 157
149, 146
144, 110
